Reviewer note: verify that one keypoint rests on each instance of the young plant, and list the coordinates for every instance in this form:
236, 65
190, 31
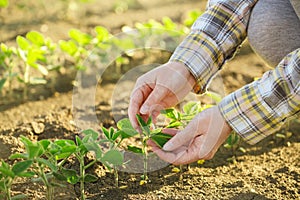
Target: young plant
114, 158
8, 173
89, 143
46, 159
147, 133
77, 47
7, 62
33, 50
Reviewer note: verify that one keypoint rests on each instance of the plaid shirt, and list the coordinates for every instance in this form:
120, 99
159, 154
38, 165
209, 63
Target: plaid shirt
258, 109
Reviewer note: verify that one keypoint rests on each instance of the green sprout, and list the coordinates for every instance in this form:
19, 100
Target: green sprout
147, 133
8, 173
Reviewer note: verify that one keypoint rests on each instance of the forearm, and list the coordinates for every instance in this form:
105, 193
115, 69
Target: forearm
261, 107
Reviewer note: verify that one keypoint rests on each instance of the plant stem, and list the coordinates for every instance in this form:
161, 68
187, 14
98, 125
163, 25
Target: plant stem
26, 80
145, 155
116, 174
82, 174
49, 188
8, 188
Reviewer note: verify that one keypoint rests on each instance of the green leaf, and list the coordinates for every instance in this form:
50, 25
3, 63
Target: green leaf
160, 139
68, 46
6, 171
192, 107
61, 156
23, 43
80, 37
116, 135
106, 133
102, 33
64, 143
18, 156
89, 178
134, 149
19, 196
36, 38
47, 163
174, 124
59, 176
26, 174
91, 132
78, 140
170, 113
20, 167
94, 147
44, 143
144, 126
125, 126
111, 132
32, 149
168, 23
113, 157
71, 176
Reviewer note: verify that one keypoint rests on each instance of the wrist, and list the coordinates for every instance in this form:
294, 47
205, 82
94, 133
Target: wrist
183, 70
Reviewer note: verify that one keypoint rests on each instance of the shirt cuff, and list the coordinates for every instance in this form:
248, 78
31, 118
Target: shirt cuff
249, 115
202, 56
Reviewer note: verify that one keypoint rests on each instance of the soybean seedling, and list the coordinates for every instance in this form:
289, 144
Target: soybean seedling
8, 173
147, 132
113, 158
33, 50
7, 62
47, 159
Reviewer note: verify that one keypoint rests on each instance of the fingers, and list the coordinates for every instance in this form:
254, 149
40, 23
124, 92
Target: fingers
152, 103
137, 98
183, 137
170, 131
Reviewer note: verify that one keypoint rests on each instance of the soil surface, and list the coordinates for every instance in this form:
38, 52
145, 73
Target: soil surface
268, 170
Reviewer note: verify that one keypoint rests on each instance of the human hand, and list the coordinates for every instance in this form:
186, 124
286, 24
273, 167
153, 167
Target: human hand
160, 88
199, 140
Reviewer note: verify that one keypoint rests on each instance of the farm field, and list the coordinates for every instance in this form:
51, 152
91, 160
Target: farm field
58, 110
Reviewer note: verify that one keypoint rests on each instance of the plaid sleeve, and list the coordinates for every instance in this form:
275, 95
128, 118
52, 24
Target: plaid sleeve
213, 39
260, 108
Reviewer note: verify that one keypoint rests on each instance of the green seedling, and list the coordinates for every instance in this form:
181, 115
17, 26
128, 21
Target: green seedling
7, 62
83, 146
114, 158
90, 143
77, 47
147, 133
47, 159
8, 173
33, 50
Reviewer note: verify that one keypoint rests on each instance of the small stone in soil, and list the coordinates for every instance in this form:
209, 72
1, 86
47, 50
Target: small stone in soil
38, 128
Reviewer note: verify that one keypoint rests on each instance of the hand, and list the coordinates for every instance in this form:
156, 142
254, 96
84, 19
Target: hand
160, 88
199, 140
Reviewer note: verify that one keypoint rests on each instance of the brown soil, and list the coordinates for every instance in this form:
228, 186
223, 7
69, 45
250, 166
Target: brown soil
268, 170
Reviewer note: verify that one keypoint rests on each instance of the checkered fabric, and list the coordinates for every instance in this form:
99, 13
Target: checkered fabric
258, 109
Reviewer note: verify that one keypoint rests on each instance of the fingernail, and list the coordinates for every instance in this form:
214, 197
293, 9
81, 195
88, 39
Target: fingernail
168, 146
144, 109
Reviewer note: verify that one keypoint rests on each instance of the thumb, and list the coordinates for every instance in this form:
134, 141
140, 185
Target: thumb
158, 93
182, 138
